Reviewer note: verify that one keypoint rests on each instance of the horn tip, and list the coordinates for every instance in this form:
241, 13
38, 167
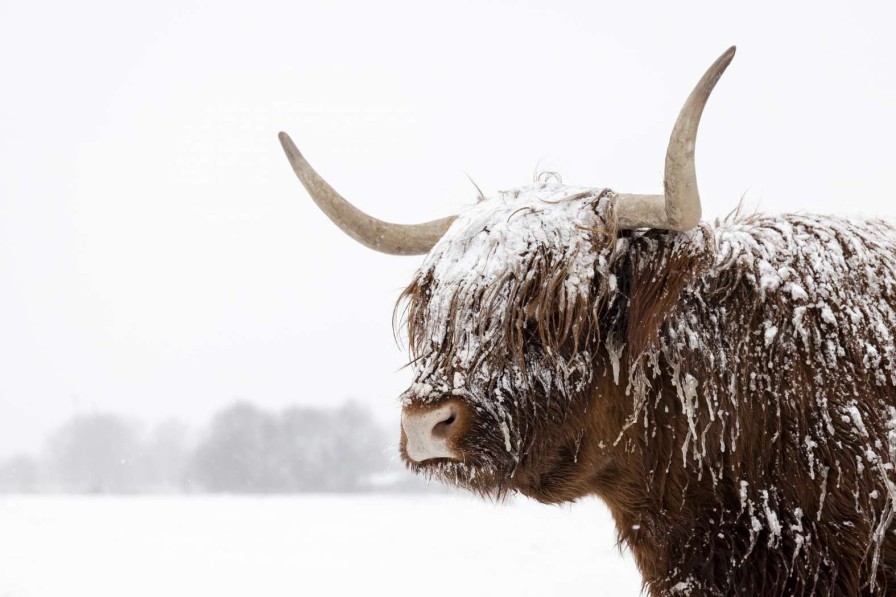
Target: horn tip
728, 55
288, 146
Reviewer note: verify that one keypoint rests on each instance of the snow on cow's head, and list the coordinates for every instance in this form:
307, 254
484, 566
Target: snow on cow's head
503, 319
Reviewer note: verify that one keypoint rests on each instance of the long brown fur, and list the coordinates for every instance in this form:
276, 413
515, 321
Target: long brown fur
728, 392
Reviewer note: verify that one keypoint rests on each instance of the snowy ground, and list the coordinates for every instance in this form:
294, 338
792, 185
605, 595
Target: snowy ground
316, 546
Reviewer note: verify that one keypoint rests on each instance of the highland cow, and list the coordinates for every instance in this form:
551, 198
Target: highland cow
727, 389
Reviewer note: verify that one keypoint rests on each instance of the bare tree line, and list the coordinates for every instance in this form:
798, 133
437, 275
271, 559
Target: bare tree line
243, 449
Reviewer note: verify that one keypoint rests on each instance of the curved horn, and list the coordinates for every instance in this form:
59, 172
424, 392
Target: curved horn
394, 239
679, 208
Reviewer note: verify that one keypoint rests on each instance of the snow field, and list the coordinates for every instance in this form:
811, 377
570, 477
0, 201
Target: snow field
320, 545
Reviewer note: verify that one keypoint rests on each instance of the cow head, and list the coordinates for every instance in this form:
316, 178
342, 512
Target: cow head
507, 313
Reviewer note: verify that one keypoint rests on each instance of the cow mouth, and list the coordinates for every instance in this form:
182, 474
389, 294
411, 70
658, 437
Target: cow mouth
435, 468
430, 462
487, 480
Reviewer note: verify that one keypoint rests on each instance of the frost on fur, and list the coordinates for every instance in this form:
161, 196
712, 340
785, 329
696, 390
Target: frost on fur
728, 391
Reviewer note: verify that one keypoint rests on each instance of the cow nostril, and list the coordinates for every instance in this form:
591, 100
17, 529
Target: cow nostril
443, 428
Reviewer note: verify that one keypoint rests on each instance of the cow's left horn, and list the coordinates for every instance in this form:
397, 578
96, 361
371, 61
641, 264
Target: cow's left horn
395, 239
679, 207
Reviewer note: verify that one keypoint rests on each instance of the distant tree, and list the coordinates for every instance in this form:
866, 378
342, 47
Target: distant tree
334, 450
95, 453
300, 450
236, 454
245, 450
359, 448
164, 456
20, 474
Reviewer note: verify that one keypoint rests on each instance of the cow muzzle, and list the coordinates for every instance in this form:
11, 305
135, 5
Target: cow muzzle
430, 432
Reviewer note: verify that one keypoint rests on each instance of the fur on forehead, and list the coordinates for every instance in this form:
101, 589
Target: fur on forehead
526, 261
498, 235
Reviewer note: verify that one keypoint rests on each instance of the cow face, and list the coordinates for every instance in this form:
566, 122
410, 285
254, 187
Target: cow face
503, 323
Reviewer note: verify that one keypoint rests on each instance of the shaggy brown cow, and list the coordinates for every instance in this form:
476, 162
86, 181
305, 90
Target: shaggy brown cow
727, 389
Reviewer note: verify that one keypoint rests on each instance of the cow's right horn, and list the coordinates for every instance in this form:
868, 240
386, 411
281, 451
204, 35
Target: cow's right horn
394, 239
678, 208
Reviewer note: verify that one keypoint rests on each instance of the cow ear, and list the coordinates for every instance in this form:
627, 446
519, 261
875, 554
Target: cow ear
662, 265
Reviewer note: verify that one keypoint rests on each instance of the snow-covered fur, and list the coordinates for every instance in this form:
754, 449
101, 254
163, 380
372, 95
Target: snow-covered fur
729, 392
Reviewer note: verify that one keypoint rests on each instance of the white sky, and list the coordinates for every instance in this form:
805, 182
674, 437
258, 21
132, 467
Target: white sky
158, 258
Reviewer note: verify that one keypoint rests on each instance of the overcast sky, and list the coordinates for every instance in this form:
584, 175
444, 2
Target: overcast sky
158, 258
